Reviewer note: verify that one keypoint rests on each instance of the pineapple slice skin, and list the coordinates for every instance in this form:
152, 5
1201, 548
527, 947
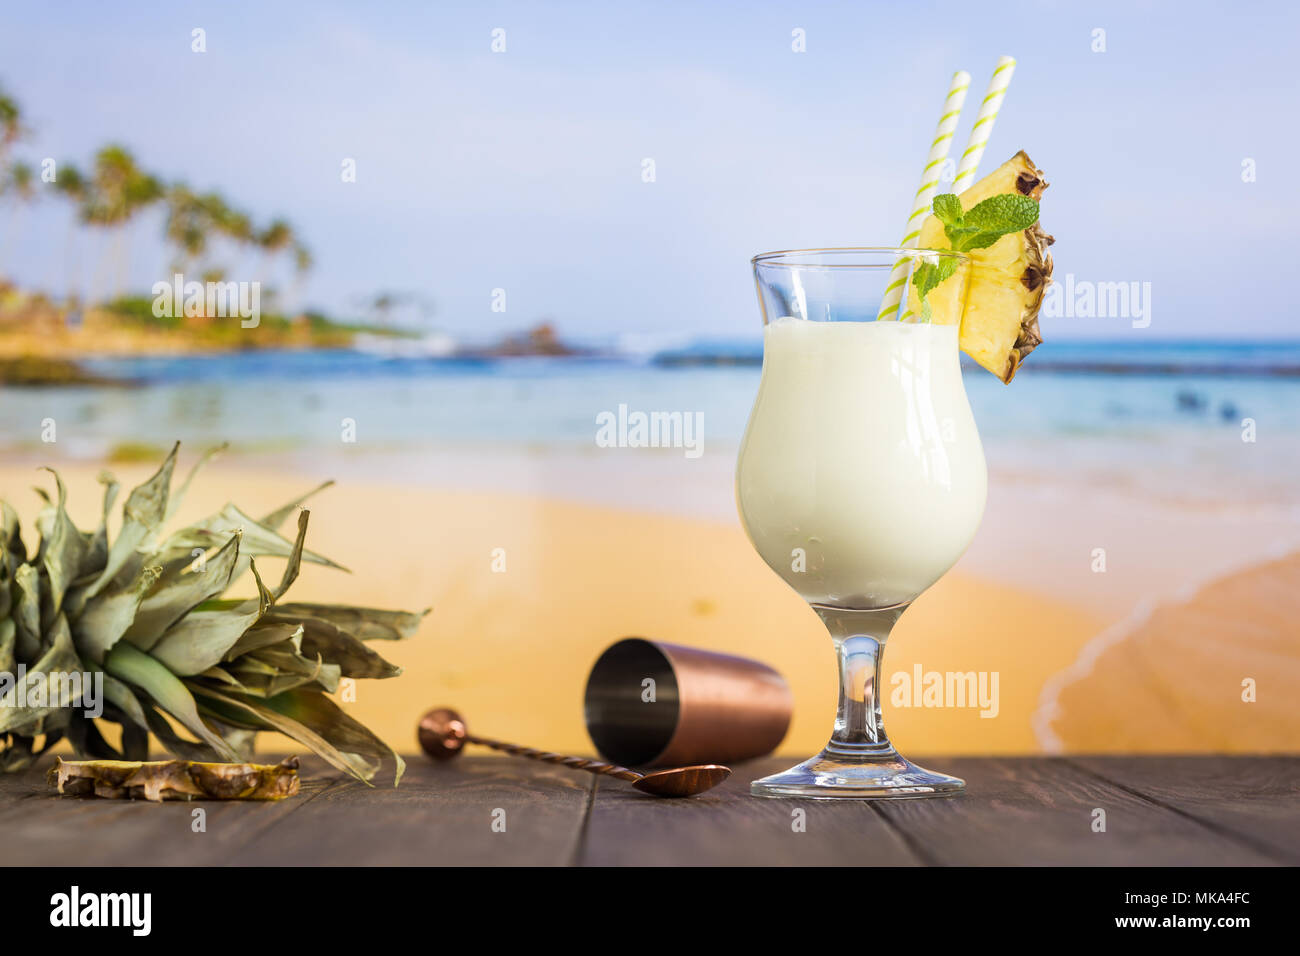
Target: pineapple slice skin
161, 780
998, 303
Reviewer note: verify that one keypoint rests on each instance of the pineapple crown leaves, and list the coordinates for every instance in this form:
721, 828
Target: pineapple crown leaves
975, 228
151, 619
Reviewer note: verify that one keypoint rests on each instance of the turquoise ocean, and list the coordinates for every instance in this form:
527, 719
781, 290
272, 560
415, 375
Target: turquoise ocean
1220, 419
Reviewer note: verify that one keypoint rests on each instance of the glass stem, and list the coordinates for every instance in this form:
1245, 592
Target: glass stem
859, 638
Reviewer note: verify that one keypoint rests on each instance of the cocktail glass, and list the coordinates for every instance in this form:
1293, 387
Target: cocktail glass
860, 481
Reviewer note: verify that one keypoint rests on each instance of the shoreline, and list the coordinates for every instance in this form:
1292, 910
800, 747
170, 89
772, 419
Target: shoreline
1202, 701
103, 336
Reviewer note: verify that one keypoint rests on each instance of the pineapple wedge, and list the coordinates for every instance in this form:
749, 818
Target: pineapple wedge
1004, 289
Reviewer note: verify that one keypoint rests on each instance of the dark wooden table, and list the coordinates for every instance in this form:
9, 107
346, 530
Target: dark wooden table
1158, 811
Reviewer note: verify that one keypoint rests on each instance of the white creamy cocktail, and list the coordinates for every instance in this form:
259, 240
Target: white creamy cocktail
861, 478
860, 481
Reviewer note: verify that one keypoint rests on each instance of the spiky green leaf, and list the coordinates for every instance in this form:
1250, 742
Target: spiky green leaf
179, 495
175, 743
363, 623
27, 613
142, 515
288, 662
331, 722
273, 718
97, 555
62, 554
182, 586
294, 563
203, 637
281, 514
108, 615
354, 658
266, 633
11, 535
128, 663
259, 540
122, 697
8, 630
47, 684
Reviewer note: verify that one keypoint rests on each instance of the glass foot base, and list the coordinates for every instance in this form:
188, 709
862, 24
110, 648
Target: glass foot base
836, 776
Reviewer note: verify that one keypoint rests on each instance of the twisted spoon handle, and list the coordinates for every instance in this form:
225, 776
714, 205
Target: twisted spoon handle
578, 763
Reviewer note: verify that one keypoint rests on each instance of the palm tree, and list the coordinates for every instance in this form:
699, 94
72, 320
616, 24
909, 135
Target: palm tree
70, 183
188, 224
143, 190
19, 182
273, 240
195, 222
117, 192
11, 122
15, 181
237, 227
18, 188
232, 225
302, 259
302, 263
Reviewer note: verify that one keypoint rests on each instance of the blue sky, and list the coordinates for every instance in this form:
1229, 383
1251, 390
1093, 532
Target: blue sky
522, 170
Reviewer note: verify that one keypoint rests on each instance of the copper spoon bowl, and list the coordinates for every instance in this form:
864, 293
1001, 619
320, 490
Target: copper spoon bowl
444, 734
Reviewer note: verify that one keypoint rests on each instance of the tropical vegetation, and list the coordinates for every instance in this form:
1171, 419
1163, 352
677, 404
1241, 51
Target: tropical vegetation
208, 236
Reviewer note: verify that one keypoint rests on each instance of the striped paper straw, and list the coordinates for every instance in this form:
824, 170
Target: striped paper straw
983, 128
925, 192
981, 131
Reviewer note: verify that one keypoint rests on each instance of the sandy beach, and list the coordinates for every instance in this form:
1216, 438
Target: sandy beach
511, 649
1214, 670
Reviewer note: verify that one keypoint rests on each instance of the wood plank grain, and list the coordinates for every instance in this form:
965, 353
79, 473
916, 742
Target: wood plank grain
1039, 811
1160, 811
40, 828
728, 827
441, 815
1255, 799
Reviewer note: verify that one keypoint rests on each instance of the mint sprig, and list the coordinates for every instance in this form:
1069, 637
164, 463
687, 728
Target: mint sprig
975, 228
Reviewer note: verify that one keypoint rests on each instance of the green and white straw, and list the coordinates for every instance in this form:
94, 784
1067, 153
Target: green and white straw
939, 148
984, 120
979, 135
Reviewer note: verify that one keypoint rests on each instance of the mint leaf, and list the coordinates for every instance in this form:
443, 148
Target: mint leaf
1003, 214
985, 222
925, 278
976, 228
928, 275
981, 240
957, 234
947, 209
945, 267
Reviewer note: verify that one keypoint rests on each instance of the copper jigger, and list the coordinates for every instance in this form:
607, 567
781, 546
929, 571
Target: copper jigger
706, 707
